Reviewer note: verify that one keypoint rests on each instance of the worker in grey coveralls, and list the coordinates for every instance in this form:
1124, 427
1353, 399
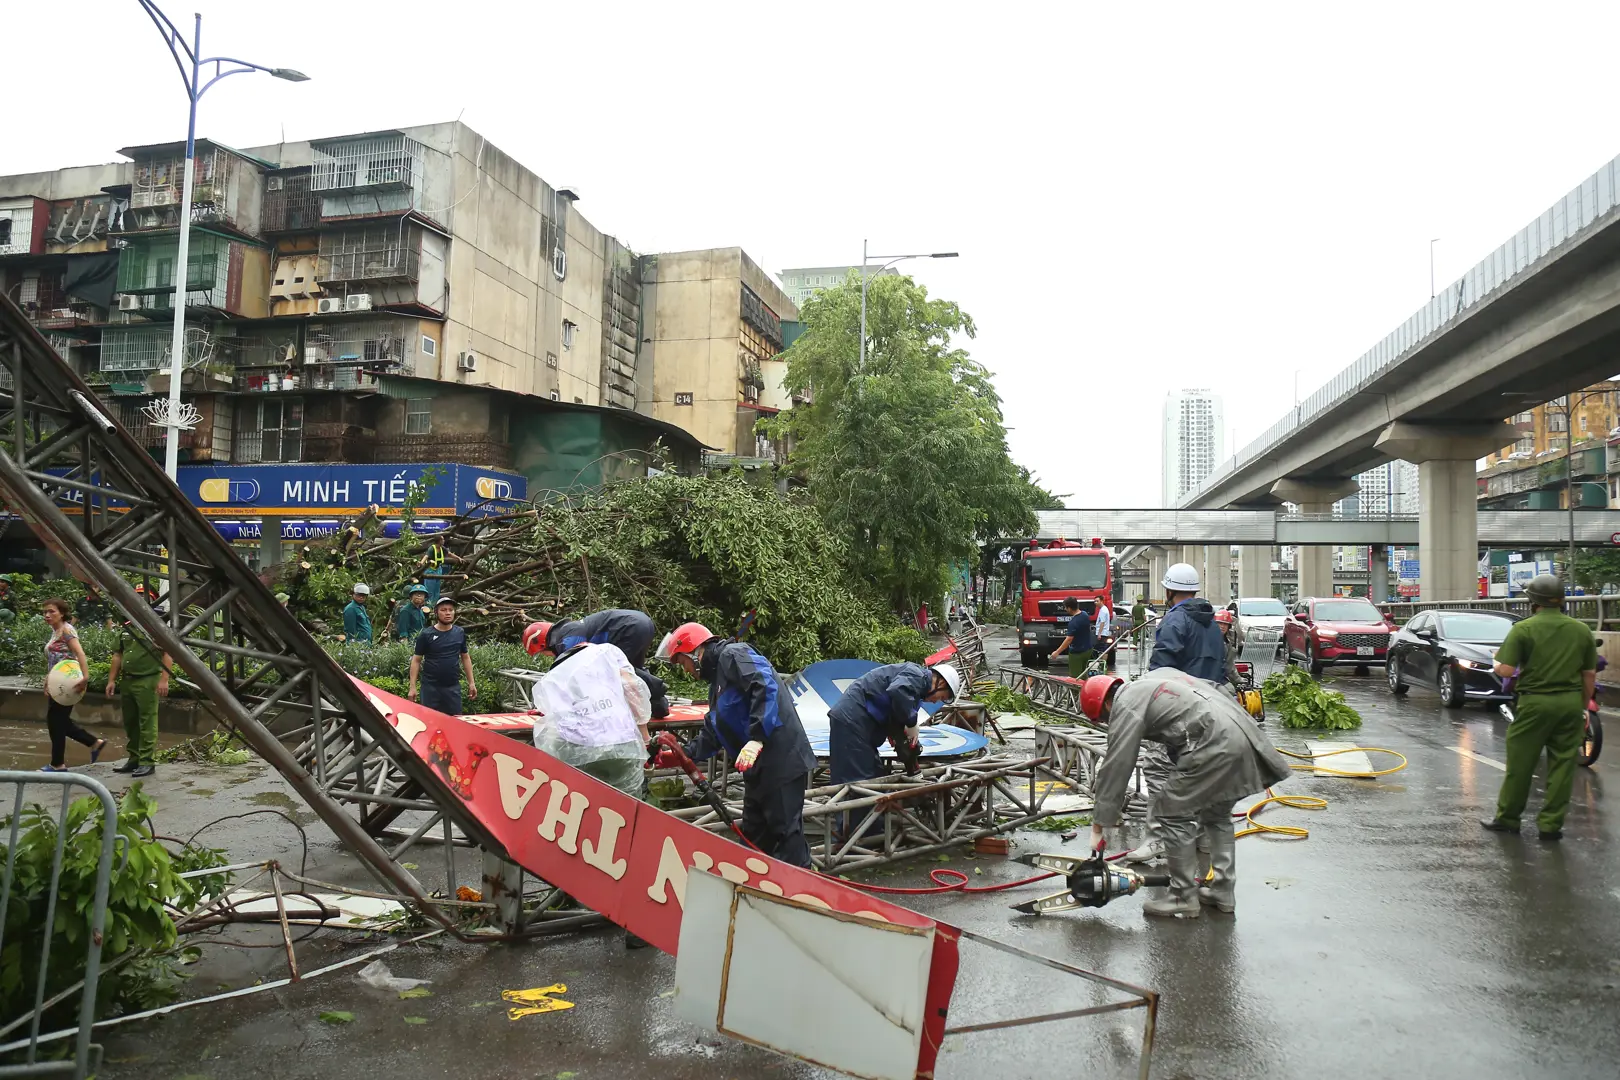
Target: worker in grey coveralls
1218, 756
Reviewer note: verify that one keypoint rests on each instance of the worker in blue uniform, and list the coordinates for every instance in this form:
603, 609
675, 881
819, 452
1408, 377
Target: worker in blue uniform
751, 717
876, 705
632, 631
1188, 639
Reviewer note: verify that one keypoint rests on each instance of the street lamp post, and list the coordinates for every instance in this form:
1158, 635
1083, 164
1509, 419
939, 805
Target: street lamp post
1570, 401
191, 63
861, 367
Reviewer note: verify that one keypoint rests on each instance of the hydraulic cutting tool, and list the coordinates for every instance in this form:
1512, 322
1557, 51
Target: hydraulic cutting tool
1092, 882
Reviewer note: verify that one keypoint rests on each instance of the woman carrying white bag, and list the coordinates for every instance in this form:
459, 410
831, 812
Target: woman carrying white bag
593, 715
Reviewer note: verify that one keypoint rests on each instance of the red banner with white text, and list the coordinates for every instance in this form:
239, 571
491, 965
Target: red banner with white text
622, 857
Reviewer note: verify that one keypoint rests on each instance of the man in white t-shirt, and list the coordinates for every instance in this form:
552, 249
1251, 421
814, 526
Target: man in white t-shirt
1102, 632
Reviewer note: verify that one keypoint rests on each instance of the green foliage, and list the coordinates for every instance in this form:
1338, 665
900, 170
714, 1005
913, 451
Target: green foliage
213, 748
1000, 614
1303, 703
387, 666
1001, 699
1059, 824
907, 457
141, 893
1597, 567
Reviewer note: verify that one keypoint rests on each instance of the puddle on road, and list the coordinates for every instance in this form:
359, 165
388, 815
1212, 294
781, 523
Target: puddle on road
25, 744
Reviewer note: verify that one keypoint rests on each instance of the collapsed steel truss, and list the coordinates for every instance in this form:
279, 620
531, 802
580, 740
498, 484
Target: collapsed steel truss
103, 506
886, 819
1054, 692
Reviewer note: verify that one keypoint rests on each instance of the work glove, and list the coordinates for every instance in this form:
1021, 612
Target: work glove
747, 755
912, 737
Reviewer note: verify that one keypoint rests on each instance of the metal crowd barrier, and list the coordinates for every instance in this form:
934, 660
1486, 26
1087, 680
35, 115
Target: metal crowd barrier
22, 1057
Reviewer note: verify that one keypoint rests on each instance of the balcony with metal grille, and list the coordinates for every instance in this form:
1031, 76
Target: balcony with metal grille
387, 160
289, 204
381, 254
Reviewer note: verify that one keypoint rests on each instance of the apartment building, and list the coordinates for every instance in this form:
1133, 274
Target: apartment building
1193, 437
1579, 432
714, 328
407, 296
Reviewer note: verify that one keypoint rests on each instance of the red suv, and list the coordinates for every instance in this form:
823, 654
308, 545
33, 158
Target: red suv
1337, 630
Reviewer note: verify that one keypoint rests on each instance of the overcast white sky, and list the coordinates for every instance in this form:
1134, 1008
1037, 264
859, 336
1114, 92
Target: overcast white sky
1144, 197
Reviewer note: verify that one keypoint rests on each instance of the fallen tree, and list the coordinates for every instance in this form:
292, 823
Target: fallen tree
679, 548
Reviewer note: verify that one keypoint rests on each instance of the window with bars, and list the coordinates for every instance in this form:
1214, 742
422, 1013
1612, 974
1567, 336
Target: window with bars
419, 416
269, 431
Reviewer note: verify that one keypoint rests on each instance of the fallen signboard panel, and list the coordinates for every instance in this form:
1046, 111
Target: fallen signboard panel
625, 858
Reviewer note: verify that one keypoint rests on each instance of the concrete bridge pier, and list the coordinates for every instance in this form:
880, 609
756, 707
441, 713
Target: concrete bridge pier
1254, 570
1315, 496
1378, 573
1448, 509
1215, 571
1158, 563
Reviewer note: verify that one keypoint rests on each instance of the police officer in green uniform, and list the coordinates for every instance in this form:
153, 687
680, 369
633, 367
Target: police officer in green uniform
1556, 661
140, 678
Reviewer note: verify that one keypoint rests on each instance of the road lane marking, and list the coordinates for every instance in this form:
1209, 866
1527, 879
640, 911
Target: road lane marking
1481, 758
1355, 761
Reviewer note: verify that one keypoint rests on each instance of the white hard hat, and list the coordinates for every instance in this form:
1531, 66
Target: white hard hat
952, 677
1181, 577
362, 589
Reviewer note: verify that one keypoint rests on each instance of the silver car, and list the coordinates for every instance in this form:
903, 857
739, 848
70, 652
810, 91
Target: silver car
1251, 613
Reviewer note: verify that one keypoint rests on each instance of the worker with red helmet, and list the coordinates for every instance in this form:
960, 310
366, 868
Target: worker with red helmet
1228, 627
1217, 755
751, 716
632, 631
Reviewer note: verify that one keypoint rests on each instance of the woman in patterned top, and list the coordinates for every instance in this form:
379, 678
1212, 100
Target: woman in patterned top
64, 645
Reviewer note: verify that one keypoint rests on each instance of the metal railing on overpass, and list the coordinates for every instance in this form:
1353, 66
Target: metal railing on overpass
1598, 612
1497, 528
1592, 204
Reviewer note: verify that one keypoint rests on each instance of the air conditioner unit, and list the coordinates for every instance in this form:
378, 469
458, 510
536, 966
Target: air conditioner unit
358, 302
467, 361
275, 183
129, 302
329, 305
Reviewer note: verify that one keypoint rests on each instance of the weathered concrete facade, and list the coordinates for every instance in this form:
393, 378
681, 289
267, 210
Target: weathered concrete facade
711, 334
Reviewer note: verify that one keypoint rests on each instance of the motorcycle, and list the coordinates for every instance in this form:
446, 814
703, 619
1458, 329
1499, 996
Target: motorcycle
1592, 740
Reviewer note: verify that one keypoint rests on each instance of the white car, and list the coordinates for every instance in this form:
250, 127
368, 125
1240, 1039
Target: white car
1258, 613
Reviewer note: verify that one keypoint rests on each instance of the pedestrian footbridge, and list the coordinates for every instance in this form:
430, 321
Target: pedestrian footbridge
1270, 528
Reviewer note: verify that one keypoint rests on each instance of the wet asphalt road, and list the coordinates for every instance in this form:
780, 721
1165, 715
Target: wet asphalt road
1399, 940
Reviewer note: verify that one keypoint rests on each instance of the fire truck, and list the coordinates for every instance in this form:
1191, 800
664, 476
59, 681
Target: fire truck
1052, 571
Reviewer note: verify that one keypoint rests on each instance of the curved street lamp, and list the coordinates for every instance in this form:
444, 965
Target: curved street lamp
892, 259
193, 70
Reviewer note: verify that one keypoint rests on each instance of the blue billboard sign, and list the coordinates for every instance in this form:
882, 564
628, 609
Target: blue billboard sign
326, 490
236, 531
1408, 570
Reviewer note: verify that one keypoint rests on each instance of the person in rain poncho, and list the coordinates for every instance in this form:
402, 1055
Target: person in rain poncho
1217, 755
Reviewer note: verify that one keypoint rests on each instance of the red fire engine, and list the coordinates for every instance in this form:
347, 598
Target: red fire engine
1053, 571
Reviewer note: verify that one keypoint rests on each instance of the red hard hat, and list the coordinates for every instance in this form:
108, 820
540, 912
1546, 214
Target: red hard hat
1223, 617
534, 637
1094, 691
684, 638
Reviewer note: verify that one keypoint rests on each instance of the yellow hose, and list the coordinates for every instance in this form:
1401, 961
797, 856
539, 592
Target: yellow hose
1311, 802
